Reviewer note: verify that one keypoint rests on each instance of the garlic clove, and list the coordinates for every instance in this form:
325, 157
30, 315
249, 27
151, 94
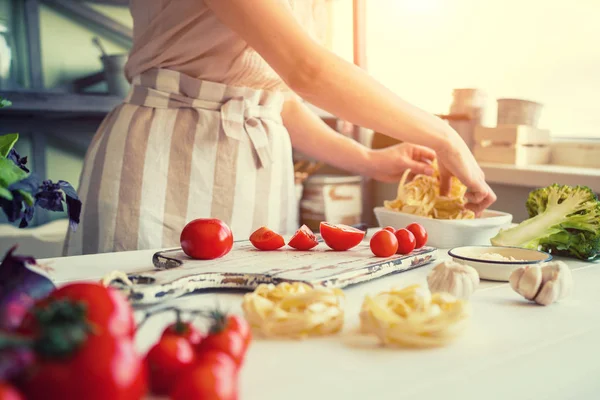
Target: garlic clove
548, 294
530, 283
514, 279
545, 284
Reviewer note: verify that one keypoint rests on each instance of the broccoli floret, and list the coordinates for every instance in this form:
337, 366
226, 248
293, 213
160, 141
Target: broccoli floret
564, 220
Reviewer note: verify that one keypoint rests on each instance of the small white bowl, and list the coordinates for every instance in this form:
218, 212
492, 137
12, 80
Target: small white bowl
497, 270
445, 233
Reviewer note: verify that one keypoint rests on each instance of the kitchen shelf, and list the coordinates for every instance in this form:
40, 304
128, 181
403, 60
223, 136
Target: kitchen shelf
534, 176
43, 102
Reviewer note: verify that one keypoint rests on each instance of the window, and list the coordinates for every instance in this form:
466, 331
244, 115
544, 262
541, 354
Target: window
539, 50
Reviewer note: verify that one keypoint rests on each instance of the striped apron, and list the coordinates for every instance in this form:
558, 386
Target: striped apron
178, 149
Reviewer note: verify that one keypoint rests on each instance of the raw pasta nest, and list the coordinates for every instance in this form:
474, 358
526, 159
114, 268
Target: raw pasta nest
414, 317
421, 196
294, 310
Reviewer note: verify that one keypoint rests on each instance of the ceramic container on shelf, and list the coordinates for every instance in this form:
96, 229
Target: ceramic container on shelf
331, 198
518, 112
512, 144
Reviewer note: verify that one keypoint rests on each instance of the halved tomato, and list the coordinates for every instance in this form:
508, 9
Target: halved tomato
303, 239
265, 239
341, 237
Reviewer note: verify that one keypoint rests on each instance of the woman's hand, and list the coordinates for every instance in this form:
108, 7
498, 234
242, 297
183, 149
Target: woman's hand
455, 159
388, 164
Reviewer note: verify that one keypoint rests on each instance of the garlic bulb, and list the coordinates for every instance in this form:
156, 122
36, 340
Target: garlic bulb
454, 278
414, 317
544, 284
294, 310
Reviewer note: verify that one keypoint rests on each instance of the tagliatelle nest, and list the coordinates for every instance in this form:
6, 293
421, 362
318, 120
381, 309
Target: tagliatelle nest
414, 317
294, 310
421, 196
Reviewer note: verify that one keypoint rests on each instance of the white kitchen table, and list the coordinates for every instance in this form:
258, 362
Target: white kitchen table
513, 349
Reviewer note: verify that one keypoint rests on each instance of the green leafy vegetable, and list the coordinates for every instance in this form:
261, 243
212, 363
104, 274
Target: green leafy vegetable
564, 220
4, 103
7, 142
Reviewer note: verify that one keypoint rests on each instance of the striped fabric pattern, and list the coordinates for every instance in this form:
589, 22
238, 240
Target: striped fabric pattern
178, 149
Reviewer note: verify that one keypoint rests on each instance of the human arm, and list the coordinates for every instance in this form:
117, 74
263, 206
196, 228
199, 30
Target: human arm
313, 137
333, 84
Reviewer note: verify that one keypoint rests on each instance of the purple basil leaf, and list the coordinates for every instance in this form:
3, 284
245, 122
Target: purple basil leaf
30, 185
18, 160
27, 216
73, 203
13, 208
49, 196
20, 287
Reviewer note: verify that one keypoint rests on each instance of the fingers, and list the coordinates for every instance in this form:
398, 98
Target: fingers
480, 201
419, 167
424, 153
445, 181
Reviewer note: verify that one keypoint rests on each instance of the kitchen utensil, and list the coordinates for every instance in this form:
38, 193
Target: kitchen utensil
114, 70
97, 43
497, 270
446, 234
245, 268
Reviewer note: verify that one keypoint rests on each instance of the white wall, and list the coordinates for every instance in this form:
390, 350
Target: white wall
542, 50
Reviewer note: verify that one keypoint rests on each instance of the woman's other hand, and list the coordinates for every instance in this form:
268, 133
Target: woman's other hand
388, 164
455, 159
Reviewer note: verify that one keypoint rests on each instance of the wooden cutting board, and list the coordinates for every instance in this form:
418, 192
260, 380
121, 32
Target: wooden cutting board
244, 268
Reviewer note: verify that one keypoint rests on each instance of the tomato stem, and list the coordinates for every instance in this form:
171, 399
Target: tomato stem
179, 325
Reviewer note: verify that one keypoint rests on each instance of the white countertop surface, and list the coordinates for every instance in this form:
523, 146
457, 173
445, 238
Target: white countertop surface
512, 350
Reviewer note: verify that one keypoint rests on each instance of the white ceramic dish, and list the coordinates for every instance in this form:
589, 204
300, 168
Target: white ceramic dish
446, 234
497, 270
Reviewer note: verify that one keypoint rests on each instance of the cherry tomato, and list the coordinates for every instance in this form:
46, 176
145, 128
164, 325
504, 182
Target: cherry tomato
303, 239
420, 234
167, 360
213, 378
384, 243
107, 310
406, 241
341, 237
265, 239
7, 392
206, 239
185, 330
230, 335
105, 367
390, 229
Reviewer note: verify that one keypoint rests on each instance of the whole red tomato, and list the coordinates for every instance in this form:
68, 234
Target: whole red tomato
214, 378
107, 310
229, 334
167, 360
265, 239
303, 239
185, 330
384, 243
104, 367
420, 234
406, 241
7, 392
206, 239
341, 237
390, 229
